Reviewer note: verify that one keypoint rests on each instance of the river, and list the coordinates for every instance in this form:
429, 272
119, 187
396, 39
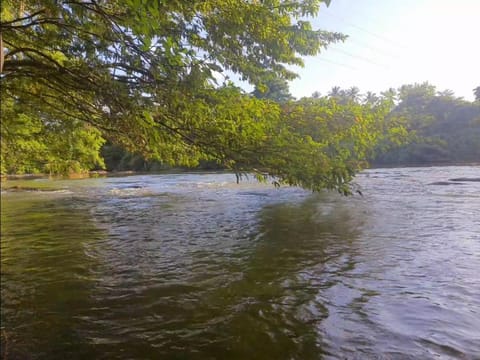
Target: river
195, 266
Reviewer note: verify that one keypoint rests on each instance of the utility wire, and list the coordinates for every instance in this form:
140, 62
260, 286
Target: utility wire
371, 33
372, 48
365, 59
336, 63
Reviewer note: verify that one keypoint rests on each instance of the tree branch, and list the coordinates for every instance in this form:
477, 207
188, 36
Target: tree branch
31, 16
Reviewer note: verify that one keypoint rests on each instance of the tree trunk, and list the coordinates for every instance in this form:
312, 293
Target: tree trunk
1, 53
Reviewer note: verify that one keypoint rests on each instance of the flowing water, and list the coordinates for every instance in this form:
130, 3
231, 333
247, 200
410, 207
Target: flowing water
194, 266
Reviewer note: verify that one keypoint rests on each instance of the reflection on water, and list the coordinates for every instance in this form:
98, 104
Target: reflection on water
46, 282
197, 267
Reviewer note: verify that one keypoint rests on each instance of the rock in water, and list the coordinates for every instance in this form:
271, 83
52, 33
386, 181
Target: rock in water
466, 179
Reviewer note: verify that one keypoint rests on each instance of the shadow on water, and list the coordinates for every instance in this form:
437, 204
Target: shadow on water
273, 310
167, 277
45, 277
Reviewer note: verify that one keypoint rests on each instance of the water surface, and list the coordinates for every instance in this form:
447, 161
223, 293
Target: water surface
194, 266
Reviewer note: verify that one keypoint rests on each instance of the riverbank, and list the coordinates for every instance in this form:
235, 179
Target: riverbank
48, 183
38, 182
101, 173
105, 173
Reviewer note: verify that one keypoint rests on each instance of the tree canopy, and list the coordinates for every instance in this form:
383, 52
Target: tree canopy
476, 92
276, 89
147, 75
443, 128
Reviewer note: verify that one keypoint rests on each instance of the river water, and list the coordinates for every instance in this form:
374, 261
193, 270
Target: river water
195, 266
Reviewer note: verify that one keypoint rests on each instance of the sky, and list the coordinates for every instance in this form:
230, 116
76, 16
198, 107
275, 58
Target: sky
396, 42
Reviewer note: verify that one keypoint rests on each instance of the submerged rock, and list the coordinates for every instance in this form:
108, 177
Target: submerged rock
31, 188
465, 179
446, 183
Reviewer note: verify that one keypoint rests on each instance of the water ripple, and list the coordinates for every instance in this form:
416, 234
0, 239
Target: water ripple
198, 267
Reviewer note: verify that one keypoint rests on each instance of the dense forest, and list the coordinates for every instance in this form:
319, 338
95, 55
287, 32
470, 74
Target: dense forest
435, 127
444, 129
130, 84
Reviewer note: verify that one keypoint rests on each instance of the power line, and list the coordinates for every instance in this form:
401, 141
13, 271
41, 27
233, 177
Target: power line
337, 63
375, 49
365, 59
371, 33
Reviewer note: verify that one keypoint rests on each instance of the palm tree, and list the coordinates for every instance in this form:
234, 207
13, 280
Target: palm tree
476, 91
390, 94
446, 93
353, 93
336, 92
371, 98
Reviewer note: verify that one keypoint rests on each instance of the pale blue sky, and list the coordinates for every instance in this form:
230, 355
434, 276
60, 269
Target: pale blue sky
395, 42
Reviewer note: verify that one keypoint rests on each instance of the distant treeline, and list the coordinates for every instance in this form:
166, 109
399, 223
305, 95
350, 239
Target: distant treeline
427, 127
443, 128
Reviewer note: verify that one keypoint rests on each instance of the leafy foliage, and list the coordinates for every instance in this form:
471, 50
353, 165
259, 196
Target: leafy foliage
275, 89
144, 74
327, 142
443, 128
30, 144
